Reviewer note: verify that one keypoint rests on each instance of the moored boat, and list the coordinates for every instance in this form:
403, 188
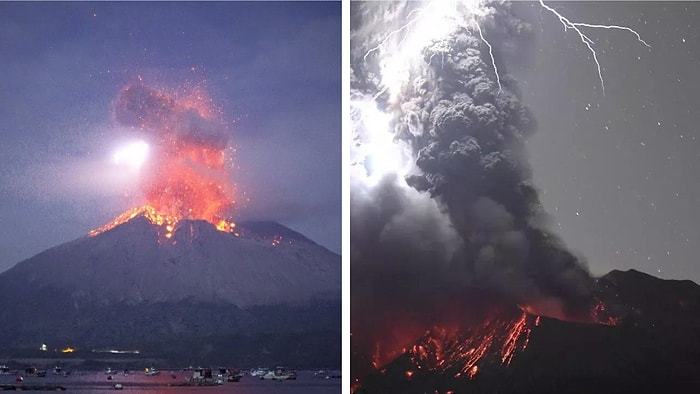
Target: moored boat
280, 373
151, 372
259, 372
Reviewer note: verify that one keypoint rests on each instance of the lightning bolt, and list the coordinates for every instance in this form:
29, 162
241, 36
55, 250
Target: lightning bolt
400, 48
447, 10
586, 40
406, 26
493, 60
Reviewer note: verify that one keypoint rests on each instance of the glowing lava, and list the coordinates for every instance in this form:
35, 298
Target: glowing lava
186, 174
462, 350
458, 351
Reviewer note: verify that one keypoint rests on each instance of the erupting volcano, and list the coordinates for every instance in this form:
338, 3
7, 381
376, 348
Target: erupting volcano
453, 263
650, 346
186, 176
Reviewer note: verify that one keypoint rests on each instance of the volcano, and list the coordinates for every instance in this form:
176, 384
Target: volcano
650, 343
144, 284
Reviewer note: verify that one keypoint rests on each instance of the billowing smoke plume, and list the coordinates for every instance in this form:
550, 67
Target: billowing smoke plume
453, 222
186, 177
186, 121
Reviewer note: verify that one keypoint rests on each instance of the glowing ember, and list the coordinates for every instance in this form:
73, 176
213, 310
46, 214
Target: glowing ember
601, 315
457, 351
461, 351
166, 222
472, 372
185, 177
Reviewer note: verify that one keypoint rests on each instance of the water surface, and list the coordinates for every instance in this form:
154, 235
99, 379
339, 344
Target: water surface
94, 381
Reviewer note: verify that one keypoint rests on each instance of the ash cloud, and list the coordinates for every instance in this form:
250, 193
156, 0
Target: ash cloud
466, 224
187, 176
140, 106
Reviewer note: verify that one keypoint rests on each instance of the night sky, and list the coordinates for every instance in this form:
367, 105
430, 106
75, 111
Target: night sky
274, 69
619, 172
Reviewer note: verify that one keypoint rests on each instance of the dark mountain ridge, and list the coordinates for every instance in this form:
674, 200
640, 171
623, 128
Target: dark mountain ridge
655, 347
131, 287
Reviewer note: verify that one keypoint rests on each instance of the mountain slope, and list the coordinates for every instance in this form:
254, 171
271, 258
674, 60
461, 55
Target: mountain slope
134, 263
655, 347
133, 287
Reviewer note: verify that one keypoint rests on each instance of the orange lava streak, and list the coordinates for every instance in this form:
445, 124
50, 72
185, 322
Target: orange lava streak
459, 351
167, 222
147, 211
472, 372
515, 335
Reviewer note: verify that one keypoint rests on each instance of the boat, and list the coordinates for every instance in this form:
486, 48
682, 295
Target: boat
235, 375
152, 372
118, 386
259, 372
234, 378
34, 371
109, 371
203, 377
280, 373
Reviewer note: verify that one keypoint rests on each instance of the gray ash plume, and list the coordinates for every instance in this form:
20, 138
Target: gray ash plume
463, 227
142, 107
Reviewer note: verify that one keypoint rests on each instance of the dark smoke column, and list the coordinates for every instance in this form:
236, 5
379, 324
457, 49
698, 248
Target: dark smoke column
460, 229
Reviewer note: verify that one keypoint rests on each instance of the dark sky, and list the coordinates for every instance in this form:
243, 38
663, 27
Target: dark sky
619, 172
274, 68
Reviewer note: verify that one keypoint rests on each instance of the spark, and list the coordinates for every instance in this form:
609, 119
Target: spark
586, 40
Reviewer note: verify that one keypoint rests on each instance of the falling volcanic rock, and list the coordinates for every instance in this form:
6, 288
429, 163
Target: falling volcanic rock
187, 174
655, 347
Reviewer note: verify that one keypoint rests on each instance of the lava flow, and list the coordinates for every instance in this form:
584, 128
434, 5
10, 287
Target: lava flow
186, 175
457, 351
462, 350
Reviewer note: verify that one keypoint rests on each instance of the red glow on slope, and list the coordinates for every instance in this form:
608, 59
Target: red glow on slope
461, 350
458, 351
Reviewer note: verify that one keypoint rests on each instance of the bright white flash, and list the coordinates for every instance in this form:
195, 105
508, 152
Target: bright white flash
401, 49
375, 152
399, 55
132, 155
